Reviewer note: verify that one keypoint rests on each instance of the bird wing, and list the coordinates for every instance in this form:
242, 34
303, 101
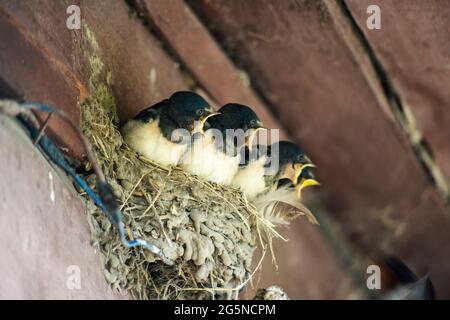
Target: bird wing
280, 206
151, 113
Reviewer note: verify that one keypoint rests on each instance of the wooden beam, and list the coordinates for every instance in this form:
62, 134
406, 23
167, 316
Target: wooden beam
45, 239
373, 182
200, 53
413, 47
43, 61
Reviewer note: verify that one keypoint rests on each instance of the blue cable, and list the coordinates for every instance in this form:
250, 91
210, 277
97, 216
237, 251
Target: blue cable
111, 210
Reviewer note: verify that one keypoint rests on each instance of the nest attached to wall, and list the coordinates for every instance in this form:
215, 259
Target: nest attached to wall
210, 231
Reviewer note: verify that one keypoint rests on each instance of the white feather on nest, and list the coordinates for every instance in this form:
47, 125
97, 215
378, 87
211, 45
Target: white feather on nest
281, 206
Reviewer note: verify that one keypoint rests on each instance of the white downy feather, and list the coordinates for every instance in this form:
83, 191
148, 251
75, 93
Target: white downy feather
146, 138
197, 159
250, 179
206, 161
281, 206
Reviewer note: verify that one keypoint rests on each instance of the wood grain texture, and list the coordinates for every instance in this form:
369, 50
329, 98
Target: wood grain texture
200, 53
307, 266
372, 181
43, 61
48, 233
413, 45
141, 74
31, 74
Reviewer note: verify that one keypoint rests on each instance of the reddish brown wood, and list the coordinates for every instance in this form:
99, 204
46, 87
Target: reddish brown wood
43, 61
413, 45
43, 236
142, 73
32, 73
130, 53
372, 181
307, 266
200, 53
190, 41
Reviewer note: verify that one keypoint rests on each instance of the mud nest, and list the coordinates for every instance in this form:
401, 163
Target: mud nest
210, 231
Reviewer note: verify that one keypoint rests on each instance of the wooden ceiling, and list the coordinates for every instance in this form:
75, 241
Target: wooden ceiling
369, 106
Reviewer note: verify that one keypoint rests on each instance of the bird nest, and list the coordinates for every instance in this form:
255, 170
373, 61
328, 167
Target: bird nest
209, 231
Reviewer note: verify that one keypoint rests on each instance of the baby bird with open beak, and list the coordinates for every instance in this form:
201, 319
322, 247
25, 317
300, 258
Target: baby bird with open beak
268, 166
305, 179
274, 180
152, 132
215, 156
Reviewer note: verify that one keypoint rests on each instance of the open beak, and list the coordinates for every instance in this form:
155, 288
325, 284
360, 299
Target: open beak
304, 184
204, 118
198, 127
289, 172
250, 137
299, 167
292, 172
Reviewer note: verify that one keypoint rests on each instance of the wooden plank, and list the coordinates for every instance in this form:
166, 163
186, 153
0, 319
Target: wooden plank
200, 53
31, 74
372, 181
43, 61
45, 239
36, 39
307, 266
142, 73
413, 45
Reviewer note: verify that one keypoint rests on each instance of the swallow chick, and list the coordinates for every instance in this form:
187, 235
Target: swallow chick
305, 179
152, 132
280, 201
268, 165
215, 156
282, 204
251, 177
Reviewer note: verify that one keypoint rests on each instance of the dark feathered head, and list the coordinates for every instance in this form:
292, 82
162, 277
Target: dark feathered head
238, 118
293, 164
189, 110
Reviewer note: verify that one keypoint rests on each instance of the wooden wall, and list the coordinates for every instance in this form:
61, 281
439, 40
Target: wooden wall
318, 72
369, 106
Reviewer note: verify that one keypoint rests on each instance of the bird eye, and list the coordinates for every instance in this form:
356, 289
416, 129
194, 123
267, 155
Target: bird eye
253, 123
200, 112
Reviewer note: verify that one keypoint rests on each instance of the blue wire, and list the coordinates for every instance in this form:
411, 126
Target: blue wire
53, 152
39, 106
91, 194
